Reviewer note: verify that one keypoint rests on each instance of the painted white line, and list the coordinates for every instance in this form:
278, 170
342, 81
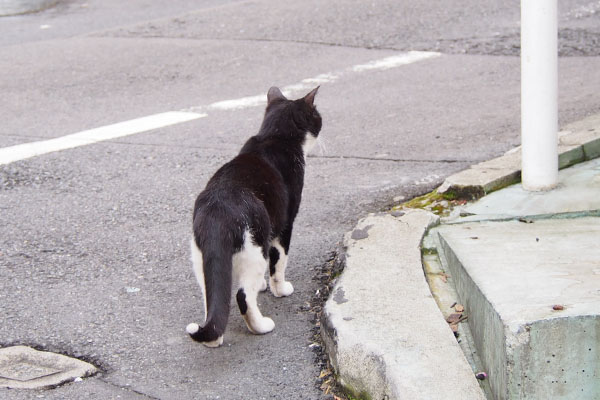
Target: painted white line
310, 83
238, 104
126, 128
396, 61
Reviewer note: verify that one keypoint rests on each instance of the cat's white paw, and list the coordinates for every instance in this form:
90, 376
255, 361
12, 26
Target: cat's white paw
214, 343
262, 326
281, 289
259, 326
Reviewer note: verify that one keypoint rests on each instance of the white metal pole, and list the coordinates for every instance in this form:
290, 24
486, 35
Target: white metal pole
539, 94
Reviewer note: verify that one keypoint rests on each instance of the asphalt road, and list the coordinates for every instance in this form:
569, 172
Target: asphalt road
94, 258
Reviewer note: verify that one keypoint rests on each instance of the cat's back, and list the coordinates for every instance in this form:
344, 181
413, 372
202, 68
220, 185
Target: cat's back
249, 170
248, 184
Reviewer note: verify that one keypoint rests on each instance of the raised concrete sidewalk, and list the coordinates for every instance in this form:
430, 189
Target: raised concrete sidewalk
384, 333
526, 267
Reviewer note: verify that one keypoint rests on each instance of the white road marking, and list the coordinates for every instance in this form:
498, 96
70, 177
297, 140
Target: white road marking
237, 104
396, 61
138, 125
126, 128
310, 83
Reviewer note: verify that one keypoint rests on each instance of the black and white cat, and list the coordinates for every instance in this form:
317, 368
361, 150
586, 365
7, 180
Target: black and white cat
244, 217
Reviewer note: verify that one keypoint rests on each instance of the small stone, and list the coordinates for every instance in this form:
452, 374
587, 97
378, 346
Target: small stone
558, 307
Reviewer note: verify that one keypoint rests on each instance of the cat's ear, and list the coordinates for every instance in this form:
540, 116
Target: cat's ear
310, 98
275, 94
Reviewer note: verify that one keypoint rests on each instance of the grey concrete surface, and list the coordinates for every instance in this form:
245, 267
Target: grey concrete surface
577, 192
528, 285
384, 333
22, 367
80, 227
509, 276
525, 265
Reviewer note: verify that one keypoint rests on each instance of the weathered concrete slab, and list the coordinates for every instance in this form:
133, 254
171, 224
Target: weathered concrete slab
532, 293
578, 191
383, 331
22, 367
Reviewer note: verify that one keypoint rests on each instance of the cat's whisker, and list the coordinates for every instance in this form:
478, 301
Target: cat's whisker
322, 147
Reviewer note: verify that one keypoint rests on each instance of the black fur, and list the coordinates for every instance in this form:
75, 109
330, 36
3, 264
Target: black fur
273, 258
259, 190
241, 300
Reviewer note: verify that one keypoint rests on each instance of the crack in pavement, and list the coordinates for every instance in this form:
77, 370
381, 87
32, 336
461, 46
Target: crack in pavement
129, 389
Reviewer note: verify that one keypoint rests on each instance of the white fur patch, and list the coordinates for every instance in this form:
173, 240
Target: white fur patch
309, 143
198, 266
214, 343
192, 328
279, 286
249, 267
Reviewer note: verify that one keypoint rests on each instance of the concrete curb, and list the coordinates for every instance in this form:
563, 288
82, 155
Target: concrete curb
529, 349
383, 331
578, 142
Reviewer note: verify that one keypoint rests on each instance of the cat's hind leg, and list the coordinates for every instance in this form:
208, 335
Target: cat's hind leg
277, 264
249, 267
263, 285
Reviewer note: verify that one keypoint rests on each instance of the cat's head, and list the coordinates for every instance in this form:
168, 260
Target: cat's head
302, 112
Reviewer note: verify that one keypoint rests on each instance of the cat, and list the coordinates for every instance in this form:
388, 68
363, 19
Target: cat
243, 219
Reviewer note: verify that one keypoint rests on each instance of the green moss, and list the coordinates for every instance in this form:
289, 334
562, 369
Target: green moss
431, 201
450, 195
429, 252
420, 202
351, 394
438, 203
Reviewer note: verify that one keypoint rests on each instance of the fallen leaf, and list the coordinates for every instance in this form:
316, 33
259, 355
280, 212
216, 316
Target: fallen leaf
453, 318
558, 307
459, 308
324, 373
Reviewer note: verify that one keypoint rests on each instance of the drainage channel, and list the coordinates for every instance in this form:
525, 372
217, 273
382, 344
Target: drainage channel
442, 288
23, 367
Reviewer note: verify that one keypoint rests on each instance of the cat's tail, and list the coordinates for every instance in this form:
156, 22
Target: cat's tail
216, 266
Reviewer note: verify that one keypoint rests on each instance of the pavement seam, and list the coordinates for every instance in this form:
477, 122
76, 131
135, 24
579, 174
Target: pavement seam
428, 161
129, 389
249, 39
